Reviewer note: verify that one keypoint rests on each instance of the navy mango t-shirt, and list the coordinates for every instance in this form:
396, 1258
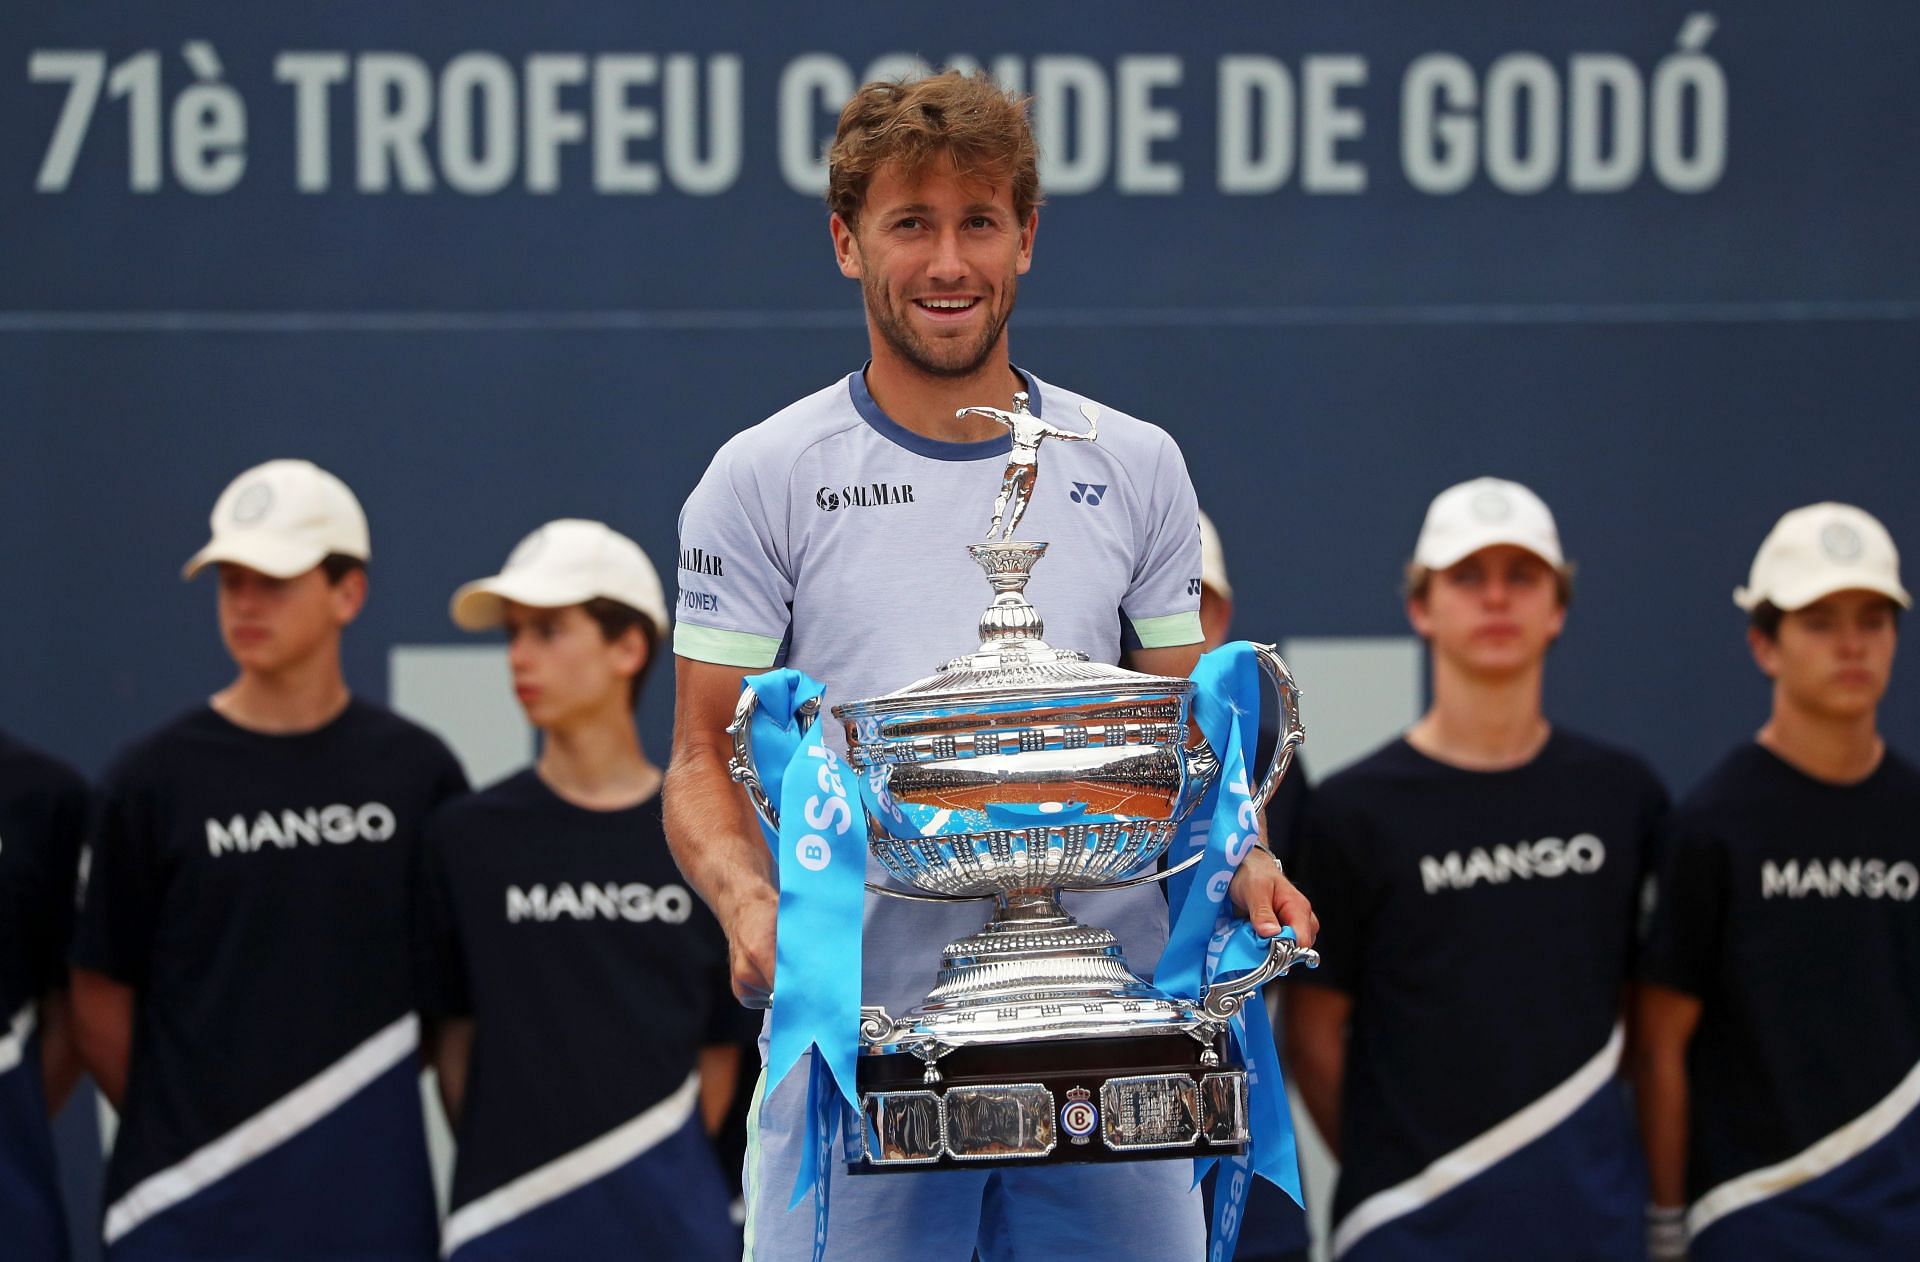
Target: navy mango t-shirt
43, 813
253, 890
1484, 924
593, 973
1790, 908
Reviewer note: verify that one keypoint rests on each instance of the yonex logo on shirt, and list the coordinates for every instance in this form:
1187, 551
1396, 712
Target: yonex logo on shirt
1582, 855
372, 821
633, 902
1831, 878
1088, 493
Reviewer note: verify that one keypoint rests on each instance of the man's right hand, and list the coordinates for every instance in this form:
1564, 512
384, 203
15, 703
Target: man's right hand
750, 949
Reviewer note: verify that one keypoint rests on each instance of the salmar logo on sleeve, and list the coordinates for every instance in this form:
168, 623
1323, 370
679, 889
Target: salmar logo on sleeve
1581, 855
606, 900
313, 826
1837, 878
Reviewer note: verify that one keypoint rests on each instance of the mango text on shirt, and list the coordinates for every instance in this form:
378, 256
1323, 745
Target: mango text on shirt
339, 824
1830, 878
1582, 855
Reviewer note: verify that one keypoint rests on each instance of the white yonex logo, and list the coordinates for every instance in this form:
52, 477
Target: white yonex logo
1841, 542
1832, 878
1549, 857
634, 902
338, 824
252, 503
1491, 505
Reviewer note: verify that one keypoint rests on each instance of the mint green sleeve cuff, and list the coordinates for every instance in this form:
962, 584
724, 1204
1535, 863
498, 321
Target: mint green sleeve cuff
732, 648
1169, 632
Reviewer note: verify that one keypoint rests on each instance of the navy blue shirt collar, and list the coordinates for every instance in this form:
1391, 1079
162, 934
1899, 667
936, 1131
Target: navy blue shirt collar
898, 434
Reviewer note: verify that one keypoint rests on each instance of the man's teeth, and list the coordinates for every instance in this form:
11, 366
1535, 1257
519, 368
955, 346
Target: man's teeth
947, 304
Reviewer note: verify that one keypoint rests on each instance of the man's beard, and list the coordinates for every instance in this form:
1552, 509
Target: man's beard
899, 334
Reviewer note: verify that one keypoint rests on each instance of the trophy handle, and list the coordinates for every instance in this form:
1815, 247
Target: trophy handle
1292, 730
1224, 998
740, 766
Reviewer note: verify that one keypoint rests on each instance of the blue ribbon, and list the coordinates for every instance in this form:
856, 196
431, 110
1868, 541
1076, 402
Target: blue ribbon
821, 855
1208, 942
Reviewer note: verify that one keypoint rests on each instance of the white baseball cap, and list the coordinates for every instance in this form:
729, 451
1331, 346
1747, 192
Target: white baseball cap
282, 518
1480, 514
565, 562
1213, 559
1819, 550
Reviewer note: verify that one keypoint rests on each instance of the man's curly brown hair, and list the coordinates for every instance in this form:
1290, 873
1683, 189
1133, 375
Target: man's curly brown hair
964, 117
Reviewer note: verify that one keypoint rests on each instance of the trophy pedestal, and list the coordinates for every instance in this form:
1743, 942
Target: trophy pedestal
1038, 1043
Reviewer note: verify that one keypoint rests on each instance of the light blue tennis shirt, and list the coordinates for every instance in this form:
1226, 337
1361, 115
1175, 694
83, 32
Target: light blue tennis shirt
831, 539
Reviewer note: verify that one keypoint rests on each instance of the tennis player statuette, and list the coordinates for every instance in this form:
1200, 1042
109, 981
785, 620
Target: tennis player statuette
1011, 774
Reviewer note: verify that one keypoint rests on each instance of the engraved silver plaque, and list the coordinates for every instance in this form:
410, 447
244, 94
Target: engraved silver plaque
1150, 1111
1223, 1108
903, 1127
1001, 1121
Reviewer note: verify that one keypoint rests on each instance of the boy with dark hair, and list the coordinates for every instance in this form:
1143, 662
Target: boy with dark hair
241, 990
1480, 878
1779, 1062
584, 1032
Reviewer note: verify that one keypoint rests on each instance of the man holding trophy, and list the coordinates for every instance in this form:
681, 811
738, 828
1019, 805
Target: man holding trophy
827, 539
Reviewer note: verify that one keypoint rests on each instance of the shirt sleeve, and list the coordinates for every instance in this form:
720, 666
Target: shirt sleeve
439, 957
1162, 604
736, 588
1689, 909
123, 886
1326, 866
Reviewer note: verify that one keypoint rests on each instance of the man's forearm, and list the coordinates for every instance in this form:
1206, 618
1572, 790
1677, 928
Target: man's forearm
712, 834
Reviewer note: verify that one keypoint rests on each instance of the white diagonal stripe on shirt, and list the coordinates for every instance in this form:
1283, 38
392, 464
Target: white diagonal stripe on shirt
1481, 1152
13, 1044
576, 1169
267, 1129
1827, 1155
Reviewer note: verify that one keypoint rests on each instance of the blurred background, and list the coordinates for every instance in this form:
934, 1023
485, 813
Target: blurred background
1657, 262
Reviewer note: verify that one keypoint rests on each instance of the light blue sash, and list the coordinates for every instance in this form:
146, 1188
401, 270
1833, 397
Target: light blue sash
821, 854
1207, 941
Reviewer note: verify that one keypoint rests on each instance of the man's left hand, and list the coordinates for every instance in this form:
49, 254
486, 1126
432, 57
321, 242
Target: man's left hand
1262, 892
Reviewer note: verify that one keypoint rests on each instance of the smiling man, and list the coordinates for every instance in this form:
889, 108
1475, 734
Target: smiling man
830, 538
1480, 878
241, 988
1780, 1029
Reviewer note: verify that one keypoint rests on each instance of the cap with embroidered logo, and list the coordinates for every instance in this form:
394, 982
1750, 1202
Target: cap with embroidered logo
1819, 550
565, 562
1484, 513
282, 518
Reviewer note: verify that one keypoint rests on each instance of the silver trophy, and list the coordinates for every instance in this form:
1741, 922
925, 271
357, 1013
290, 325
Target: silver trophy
1013, 773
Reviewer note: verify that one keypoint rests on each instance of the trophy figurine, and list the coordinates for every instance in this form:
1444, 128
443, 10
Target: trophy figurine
1011, 774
